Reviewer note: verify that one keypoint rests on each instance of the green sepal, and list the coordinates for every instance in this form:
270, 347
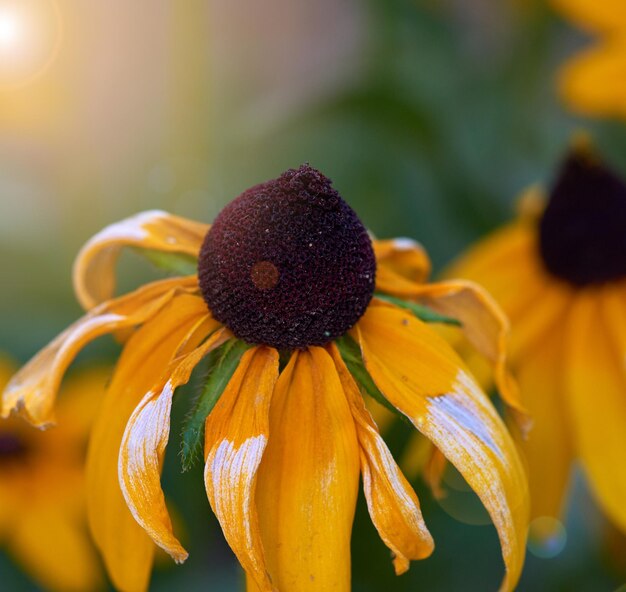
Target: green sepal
222, 363
351, 355
424, 313
174, 263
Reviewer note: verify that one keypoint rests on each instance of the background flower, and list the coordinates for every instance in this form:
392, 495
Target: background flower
42, 496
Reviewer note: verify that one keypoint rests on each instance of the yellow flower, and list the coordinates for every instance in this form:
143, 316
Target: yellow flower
42, 505
288, 267
560, 275
594, 83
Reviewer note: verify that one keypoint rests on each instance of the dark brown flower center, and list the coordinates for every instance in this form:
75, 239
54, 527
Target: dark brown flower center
12, 448
582, 234
288, 263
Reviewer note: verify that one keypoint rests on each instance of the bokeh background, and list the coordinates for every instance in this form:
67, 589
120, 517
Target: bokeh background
430, 116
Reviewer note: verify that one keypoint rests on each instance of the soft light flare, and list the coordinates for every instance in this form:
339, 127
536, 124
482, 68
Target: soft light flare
30, 37
11, 30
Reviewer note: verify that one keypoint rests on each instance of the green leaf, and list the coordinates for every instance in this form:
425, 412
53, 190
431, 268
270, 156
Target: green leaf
424, 313
222, 363
174, 263
351, 355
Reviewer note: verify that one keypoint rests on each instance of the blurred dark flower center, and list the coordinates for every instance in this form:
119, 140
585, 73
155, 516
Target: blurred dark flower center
288, 263
582, 234
12, 448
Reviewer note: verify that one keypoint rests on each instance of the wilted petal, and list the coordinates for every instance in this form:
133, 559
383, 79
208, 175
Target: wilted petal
32, 391
400, 262
143, 448
484, 325
236, 435
596, 387
308, 481
392, 503
126, 548
422, 377
94, 268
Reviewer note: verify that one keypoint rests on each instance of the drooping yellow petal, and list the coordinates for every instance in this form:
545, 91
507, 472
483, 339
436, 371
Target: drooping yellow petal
143, 448
596, 387
484, 325
236, 436
607, 15
593, 82
421, 376
54, 550
126, 548
32, 391
548, 447
400, 260
308, 481
392, 503
94, 268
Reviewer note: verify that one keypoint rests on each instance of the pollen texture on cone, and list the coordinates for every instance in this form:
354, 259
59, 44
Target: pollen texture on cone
288, 263
582, 234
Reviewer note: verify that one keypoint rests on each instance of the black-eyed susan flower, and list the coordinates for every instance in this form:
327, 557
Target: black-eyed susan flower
283, 307
559, 272
42, 495
594, 82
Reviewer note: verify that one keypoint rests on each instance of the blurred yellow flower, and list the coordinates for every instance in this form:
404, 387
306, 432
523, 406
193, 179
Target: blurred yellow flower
560, 275
594, 82
289, 267
42, 505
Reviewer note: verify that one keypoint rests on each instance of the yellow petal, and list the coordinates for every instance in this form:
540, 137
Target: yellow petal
614, 311
596, 383
484, 325
94, 268
143, 448
236, 435
125, 546
392, 503
593, 83
493, 255
608, 15
32, 391
423, 378
548, 448
398, 261
308, 481
54, 550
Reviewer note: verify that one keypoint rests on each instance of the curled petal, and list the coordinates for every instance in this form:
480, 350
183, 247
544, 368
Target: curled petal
236, 435
32, 391
94, 268
484, 325
391, 501
126, 548
143, 448
309, 476
422, 377
400, 261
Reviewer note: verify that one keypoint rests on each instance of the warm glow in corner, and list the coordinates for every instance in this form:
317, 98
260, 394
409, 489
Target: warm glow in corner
30, 37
